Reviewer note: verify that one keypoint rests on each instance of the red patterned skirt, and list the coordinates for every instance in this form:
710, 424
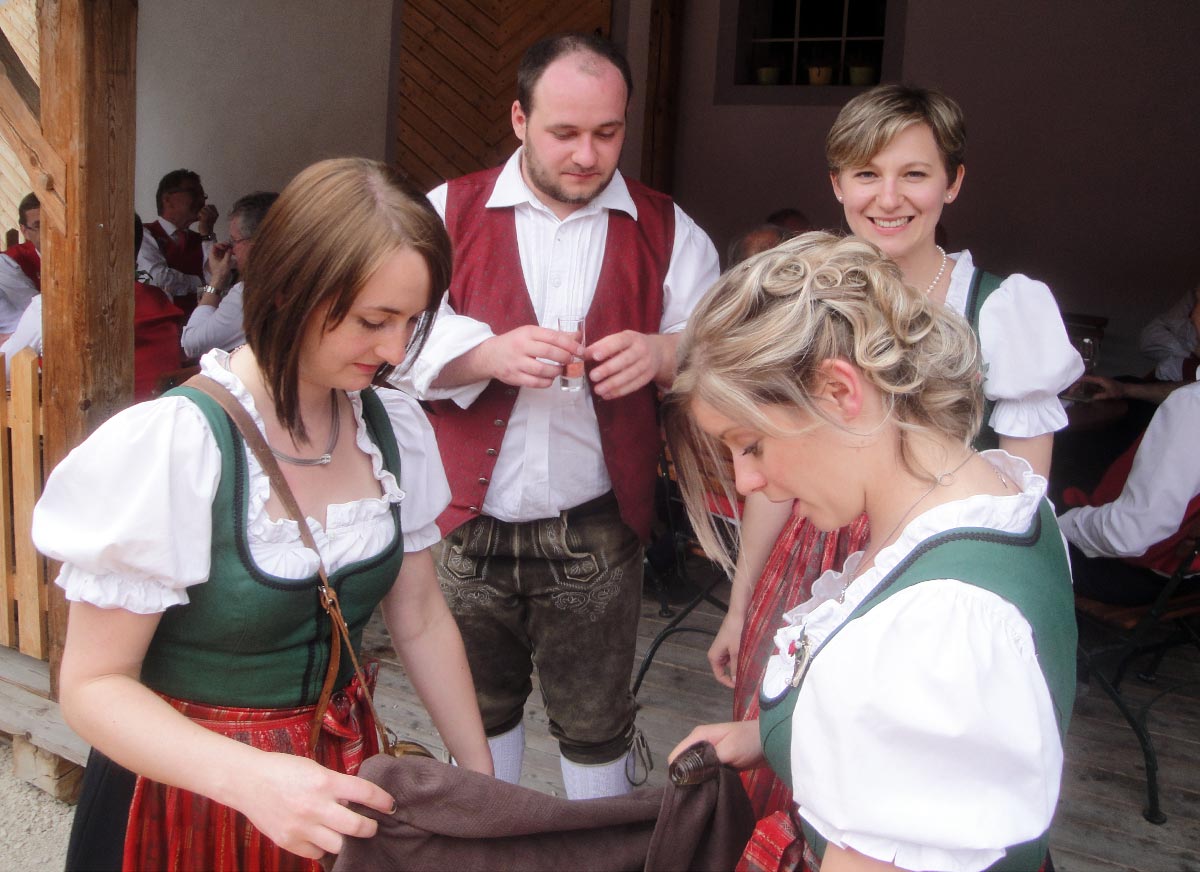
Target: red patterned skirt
801, 554
174, 829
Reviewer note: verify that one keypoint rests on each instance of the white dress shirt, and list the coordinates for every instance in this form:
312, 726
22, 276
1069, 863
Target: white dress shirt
924, 733
27, 335
217, 326
129, 511
1164, 478
16, 290
151, 259
550, 458
1170, 339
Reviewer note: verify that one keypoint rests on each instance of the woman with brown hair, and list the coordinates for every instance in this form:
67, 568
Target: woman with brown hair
197, 646
915, 704
896, 160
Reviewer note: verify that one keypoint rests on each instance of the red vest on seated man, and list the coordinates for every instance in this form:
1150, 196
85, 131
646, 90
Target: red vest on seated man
156, 329
185, 255
488, 285
29, 259
1161, 556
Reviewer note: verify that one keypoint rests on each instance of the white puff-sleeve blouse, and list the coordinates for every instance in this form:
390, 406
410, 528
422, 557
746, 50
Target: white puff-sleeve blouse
924, 734
129, 512
1028, 358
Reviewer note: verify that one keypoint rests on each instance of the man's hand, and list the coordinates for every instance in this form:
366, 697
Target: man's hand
521, 357
629, 360
208, 219
220, 265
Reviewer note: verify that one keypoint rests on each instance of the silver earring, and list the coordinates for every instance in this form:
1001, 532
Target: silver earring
839, 199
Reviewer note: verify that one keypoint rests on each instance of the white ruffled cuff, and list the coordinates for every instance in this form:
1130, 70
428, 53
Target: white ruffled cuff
905, 854
1030, 416
142, 596
419, 540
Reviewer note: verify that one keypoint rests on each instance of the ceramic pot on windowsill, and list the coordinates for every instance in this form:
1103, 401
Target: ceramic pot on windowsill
820, 74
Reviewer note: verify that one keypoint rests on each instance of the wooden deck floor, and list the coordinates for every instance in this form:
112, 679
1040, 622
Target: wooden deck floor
1099, 824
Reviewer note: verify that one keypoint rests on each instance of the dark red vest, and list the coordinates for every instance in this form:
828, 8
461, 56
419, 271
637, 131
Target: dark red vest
29, 260
489, 286
185, 256
156, 329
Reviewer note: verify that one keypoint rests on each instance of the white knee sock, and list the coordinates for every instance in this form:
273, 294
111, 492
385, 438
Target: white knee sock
584, 781
508, 750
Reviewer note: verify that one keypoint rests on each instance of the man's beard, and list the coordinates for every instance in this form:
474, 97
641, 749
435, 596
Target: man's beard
545, 181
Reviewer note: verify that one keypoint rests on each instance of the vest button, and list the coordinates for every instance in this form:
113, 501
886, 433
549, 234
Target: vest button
498, 422
473, 509
511, 392
491, 452
483, 479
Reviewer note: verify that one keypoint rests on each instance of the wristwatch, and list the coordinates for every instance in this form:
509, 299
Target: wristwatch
209, 237
207, 289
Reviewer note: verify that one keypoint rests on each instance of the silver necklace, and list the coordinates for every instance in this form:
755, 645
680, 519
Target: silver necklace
937, 278
334, 428
942, 480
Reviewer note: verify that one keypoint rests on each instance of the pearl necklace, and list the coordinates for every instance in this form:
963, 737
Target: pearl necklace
942, 480
937, 278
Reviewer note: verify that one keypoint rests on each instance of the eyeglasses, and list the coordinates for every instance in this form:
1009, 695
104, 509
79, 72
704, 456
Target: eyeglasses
235, 241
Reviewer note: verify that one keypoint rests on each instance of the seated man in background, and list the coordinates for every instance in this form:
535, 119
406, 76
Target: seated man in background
21, 267
155, 331
1172, 340
172, 254
1138, 511
217, 319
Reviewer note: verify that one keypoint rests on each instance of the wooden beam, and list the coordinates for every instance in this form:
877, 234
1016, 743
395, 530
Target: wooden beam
19, 76
662, 91
88, 53
42, 162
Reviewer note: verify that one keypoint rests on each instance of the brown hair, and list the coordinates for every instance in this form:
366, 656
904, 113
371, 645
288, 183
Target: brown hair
331, 228
871, 120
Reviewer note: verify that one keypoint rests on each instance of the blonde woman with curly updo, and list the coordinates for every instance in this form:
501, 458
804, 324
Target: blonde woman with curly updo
916, 703
896, 156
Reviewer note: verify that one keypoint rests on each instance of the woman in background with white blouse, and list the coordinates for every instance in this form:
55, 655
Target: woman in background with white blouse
197, 646
915, 704
896, 160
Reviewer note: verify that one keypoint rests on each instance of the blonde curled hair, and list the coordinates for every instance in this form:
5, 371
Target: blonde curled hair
759, 338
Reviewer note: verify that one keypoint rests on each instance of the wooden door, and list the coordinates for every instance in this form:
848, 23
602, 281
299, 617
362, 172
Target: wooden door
457, 75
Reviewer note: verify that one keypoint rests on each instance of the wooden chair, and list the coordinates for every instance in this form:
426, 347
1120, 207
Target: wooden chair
1135, 632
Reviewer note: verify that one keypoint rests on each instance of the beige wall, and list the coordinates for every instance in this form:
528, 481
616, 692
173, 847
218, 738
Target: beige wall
1084, 120
247, 94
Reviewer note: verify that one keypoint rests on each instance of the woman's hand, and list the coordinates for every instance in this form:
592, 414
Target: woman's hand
723, 652
738, 744
301, 806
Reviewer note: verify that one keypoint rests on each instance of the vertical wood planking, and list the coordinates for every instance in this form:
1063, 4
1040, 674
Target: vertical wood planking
30, 570
88, 66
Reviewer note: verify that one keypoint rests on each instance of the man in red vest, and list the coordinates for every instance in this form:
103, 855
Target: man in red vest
172, 254
21, 267
552, 489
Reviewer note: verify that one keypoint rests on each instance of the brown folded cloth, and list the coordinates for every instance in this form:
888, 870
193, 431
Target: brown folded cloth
453, 819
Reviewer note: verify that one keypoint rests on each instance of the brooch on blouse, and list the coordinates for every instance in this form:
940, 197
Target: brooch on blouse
801, 662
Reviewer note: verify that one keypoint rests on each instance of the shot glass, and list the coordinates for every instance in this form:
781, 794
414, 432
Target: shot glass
572, 378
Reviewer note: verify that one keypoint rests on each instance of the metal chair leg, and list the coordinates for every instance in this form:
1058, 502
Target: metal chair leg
1153, 811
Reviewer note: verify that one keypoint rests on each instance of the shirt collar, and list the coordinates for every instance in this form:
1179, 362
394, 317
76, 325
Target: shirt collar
167, 226
511, 190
